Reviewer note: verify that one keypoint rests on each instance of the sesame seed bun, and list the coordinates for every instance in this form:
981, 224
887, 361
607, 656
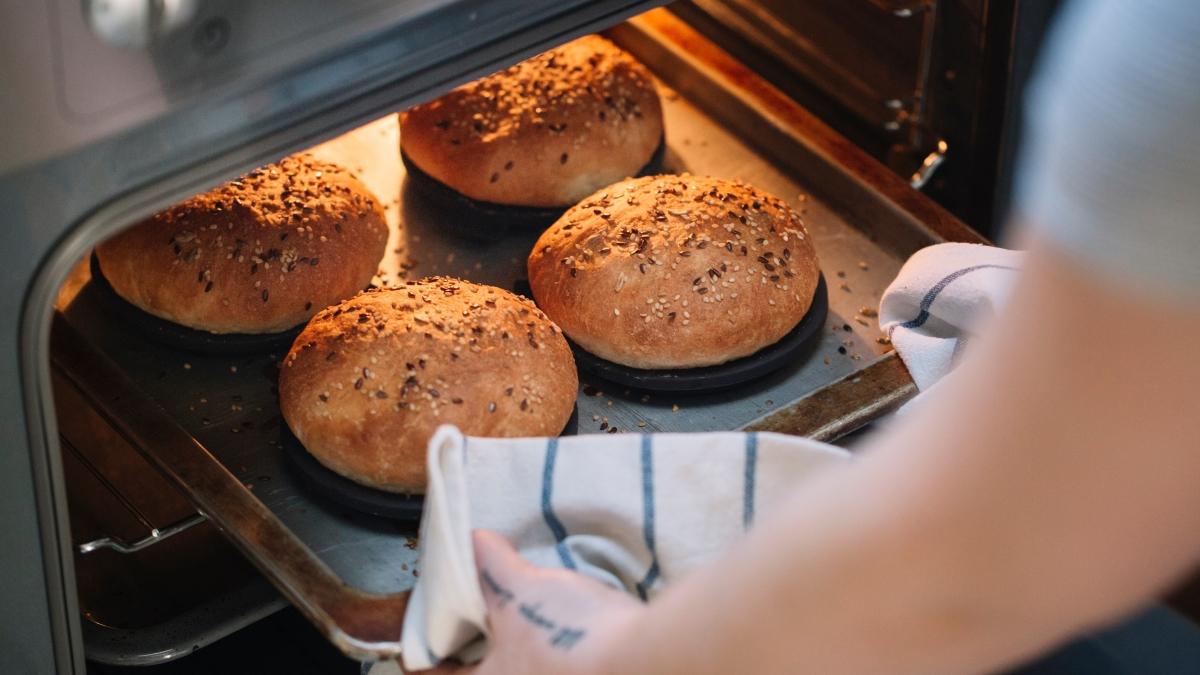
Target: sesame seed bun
543, 133
368, 381
675, 271
259, 254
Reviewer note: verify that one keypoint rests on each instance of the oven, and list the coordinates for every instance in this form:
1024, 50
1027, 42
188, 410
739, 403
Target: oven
149, 507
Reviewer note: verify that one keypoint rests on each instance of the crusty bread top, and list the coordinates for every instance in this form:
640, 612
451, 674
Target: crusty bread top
545, 132
259, 254
368, 381
675, 271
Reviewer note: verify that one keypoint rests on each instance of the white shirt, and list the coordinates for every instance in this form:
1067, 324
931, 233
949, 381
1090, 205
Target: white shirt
1110, 168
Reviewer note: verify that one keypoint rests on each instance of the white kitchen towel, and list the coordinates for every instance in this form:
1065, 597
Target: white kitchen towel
941, 293
633, 511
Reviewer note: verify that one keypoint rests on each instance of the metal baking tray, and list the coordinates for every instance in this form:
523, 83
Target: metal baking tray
212, 425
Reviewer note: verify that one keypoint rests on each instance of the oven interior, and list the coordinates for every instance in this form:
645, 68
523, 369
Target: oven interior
130, 408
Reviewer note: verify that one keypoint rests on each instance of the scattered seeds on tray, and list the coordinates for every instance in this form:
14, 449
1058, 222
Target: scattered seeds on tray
868, 312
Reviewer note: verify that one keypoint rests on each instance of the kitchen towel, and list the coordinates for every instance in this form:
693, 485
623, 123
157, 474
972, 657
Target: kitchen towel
633, 511
941, 293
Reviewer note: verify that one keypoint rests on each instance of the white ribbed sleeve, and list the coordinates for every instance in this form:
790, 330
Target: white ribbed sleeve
1110, 165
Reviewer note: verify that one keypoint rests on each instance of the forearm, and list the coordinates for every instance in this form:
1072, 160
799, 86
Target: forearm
974, 532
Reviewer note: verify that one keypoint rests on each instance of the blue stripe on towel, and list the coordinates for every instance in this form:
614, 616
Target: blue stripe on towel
748, 479
932, 294
648, 514
552, 521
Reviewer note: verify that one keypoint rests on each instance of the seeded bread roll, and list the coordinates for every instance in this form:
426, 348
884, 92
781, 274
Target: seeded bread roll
675, 271
546, 132
259, 254
368, 381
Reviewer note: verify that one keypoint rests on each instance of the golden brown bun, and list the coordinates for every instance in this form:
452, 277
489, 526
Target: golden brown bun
259, 254
546, 132
675, 271
368, 381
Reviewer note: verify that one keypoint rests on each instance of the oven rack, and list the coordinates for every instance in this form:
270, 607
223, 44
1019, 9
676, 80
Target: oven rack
155, 534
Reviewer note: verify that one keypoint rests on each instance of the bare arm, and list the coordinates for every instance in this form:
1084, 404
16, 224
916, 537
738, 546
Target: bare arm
1053, 484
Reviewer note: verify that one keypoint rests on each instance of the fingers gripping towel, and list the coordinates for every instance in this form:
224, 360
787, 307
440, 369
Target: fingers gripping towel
633, 511
940, 293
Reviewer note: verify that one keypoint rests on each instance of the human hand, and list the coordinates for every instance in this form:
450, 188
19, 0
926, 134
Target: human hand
551, 621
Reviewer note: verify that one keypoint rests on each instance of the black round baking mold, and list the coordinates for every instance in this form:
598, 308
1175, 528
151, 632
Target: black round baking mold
721, 376
490, 221
342, 491
345, 492
176, 336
